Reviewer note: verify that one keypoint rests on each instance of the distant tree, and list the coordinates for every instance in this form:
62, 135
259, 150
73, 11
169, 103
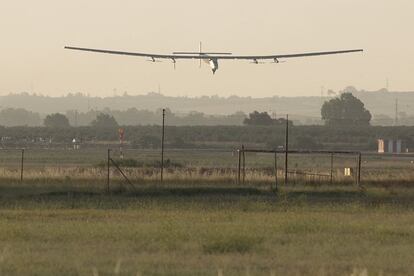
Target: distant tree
345, 110
56, 120
264, 119
258, 119
349, 89
104, 120
236, 118
19, 117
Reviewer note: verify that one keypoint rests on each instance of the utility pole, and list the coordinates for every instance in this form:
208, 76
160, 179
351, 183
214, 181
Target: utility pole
286, 148
244, 164
162, 144
239, 166
396, 112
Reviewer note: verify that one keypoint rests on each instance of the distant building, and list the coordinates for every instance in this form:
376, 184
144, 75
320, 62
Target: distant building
390, 146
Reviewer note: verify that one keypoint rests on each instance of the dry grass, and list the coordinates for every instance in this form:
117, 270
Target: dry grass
65, 165
88, 175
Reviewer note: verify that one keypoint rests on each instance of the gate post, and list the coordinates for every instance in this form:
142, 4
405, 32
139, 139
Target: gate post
22, 167
108, 170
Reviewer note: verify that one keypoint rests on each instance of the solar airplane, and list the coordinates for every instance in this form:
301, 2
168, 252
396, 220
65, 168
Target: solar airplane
213, 58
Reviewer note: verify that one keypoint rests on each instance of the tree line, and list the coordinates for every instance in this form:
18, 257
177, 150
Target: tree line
341, 111
270, 136
381, 104
129, 117
347, 126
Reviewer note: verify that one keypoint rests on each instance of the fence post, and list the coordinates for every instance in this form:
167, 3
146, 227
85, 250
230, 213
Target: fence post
286, 149
244, 164
162, 144
332, 157
239, 167
275, 171
359, 169
108, 171
22, 167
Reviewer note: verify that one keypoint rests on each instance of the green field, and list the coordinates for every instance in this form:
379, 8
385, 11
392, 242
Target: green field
61, 221
165, 230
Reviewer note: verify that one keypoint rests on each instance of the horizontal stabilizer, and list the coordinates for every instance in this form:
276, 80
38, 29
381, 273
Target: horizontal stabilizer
198, 53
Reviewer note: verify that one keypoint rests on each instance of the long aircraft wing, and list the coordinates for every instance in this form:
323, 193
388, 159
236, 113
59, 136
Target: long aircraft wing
217, 57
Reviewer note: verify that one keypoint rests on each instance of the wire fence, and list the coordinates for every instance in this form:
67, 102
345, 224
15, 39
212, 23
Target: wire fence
132, 167
304, 166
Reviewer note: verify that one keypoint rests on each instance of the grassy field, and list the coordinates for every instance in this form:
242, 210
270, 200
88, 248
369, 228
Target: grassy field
207, 230
191, 158
60, 221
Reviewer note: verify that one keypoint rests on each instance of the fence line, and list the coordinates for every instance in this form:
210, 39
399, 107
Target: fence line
243, 150
25, 155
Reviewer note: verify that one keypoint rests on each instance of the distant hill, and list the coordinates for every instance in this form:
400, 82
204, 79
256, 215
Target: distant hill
303, 110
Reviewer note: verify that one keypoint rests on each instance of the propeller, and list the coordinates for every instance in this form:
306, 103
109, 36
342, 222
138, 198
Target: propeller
255, 61
153, 60
275, 60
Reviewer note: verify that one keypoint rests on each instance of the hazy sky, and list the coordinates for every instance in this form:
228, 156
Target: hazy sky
33, 34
